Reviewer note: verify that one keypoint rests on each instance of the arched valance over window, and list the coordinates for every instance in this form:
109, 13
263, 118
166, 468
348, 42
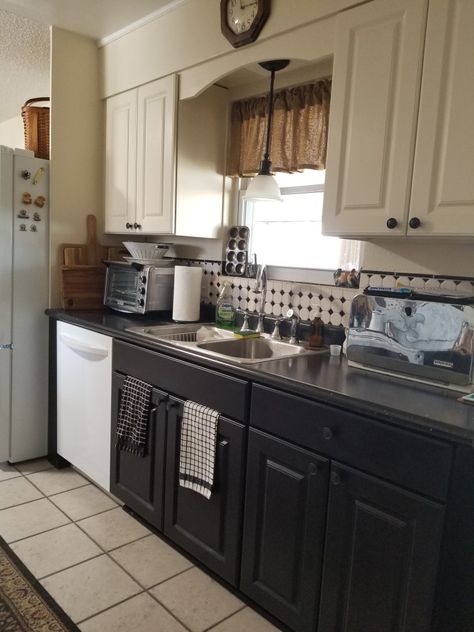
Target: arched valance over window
299, 132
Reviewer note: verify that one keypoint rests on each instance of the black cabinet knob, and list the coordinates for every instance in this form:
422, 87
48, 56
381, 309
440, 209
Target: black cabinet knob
392, 223
128, 225
327, 433
141, 302
414, 222
137, 226
336, 478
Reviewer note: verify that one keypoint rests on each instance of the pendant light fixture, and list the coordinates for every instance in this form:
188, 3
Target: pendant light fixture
264, 185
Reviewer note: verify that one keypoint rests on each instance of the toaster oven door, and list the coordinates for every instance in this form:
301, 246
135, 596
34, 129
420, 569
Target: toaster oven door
121, 289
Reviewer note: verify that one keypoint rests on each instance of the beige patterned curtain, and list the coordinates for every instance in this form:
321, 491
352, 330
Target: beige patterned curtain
299, 130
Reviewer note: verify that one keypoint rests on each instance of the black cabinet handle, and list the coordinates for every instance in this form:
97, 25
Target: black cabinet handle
392, 223
312, 469
328, 434
336, 478
139, 226
128, 225
414, 222
223, 443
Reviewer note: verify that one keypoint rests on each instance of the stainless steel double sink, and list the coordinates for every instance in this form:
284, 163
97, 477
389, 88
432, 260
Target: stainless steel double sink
208, 340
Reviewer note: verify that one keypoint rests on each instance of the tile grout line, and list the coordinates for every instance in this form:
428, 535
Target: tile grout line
143, 592
214, 625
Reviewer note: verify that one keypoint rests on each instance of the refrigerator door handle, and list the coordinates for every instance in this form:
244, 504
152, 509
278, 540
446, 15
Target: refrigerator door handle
79, 345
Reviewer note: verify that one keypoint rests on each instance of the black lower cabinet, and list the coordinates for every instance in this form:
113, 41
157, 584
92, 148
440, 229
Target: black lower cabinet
139, 481
208, 529
381, 556
285, 517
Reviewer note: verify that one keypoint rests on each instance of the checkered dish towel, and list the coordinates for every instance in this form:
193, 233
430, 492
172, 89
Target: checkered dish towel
132, 428
198, 448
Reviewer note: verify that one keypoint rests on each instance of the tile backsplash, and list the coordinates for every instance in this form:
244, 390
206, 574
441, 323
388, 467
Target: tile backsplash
331, 303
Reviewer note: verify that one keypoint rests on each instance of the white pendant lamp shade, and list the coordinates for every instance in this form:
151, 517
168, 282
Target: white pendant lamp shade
263, 188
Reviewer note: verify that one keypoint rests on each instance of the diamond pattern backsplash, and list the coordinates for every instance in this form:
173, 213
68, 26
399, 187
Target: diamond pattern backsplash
331, 303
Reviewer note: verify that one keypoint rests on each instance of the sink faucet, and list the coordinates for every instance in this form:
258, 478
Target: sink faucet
294, 320
261, 288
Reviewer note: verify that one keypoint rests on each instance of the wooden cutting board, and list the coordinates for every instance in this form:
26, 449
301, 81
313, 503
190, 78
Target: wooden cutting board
82, 271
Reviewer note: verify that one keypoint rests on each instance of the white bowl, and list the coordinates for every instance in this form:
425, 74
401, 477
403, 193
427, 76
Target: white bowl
145, 250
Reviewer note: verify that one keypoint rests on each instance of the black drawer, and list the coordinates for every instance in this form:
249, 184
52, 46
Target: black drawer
407, 458
227, 394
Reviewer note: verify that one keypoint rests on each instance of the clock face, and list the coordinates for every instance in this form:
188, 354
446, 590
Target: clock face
242, 20
241, 14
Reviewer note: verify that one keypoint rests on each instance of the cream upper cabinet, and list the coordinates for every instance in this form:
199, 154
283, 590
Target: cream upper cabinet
141, 159
374, 103
443, 176
401, 141
120, 162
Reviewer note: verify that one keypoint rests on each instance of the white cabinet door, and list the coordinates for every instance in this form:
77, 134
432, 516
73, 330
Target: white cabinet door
156, 156
443, 177
120, 162
84, 380
374, 103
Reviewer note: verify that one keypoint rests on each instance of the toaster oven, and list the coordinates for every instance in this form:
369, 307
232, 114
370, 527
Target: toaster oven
138, 289
424, 336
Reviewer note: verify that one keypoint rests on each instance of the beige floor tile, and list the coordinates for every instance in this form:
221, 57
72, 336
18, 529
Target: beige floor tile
113, 528
140, 614
57, 481
55, 550
196, 599
151, 560
30, 519
15, 491
8, 471
247, 620
90, 587
83, 502
36, 465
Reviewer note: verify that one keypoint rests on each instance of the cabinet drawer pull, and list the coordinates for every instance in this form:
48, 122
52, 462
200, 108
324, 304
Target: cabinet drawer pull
414, 222
336, 478
128, 225
137, 226
327, 433
312, 469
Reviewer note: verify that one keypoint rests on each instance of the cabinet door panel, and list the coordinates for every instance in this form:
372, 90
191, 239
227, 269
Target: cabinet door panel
443, 186
376, 77
208, 529
381, 556
156, 161
120, 161
139, 481
285, 510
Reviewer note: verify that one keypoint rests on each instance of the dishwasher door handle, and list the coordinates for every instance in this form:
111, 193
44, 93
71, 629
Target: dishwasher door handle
79, 345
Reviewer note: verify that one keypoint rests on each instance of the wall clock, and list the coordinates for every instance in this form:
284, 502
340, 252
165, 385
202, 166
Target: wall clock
242, 20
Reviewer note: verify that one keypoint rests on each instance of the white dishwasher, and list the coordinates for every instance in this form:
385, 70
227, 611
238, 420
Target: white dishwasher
84, 378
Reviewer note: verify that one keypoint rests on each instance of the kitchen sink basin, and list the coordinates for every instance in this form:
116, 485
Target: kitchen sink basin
209, 340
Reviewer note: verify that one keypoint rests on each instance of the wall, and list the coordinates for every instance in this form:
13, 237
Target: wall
76, 186
11, 132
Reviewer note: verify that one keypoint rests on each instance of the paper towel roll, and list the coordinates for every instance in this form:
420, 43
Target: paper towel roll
187, 293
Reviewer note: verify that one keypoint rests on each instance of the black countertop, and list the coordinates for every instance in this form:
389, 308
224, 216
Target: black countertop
324, 378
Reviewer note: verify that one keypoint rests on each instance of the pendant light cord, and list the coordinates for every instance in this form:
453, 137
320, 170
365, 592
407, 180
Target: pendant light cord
266, 156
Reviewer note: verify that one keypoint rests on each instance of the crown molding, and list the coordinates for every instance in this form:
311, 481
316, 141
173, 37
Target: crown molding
168, 8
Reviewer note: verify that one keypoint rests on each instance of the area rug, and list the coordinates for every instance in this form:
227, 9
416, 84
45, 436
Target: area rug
24, 604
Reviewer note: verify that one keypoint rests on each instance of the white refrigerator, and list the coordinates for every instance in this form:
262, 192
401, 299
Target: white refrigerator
24, 283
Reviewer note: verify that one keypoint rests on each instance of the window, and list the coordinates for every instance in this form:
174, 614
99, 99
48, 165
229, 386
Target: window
288, 234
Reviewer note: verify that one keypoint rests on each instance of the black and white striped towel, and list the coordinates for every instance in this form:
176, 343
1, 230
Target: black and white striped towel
198, 448
134, 410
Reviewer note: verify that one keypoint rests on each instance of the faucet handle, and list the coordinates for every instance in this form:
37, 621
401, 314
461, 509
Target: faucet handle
276, 330
260, 324
245, 324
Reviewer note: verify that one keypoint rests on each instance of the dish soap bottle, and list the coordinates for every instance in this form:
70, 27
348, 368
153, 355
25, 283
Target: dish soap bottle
225, 310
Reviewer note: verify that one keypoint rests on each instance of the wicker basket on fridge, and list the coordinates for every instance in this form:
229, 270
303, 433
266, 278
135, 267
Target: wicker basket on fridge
36, 124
